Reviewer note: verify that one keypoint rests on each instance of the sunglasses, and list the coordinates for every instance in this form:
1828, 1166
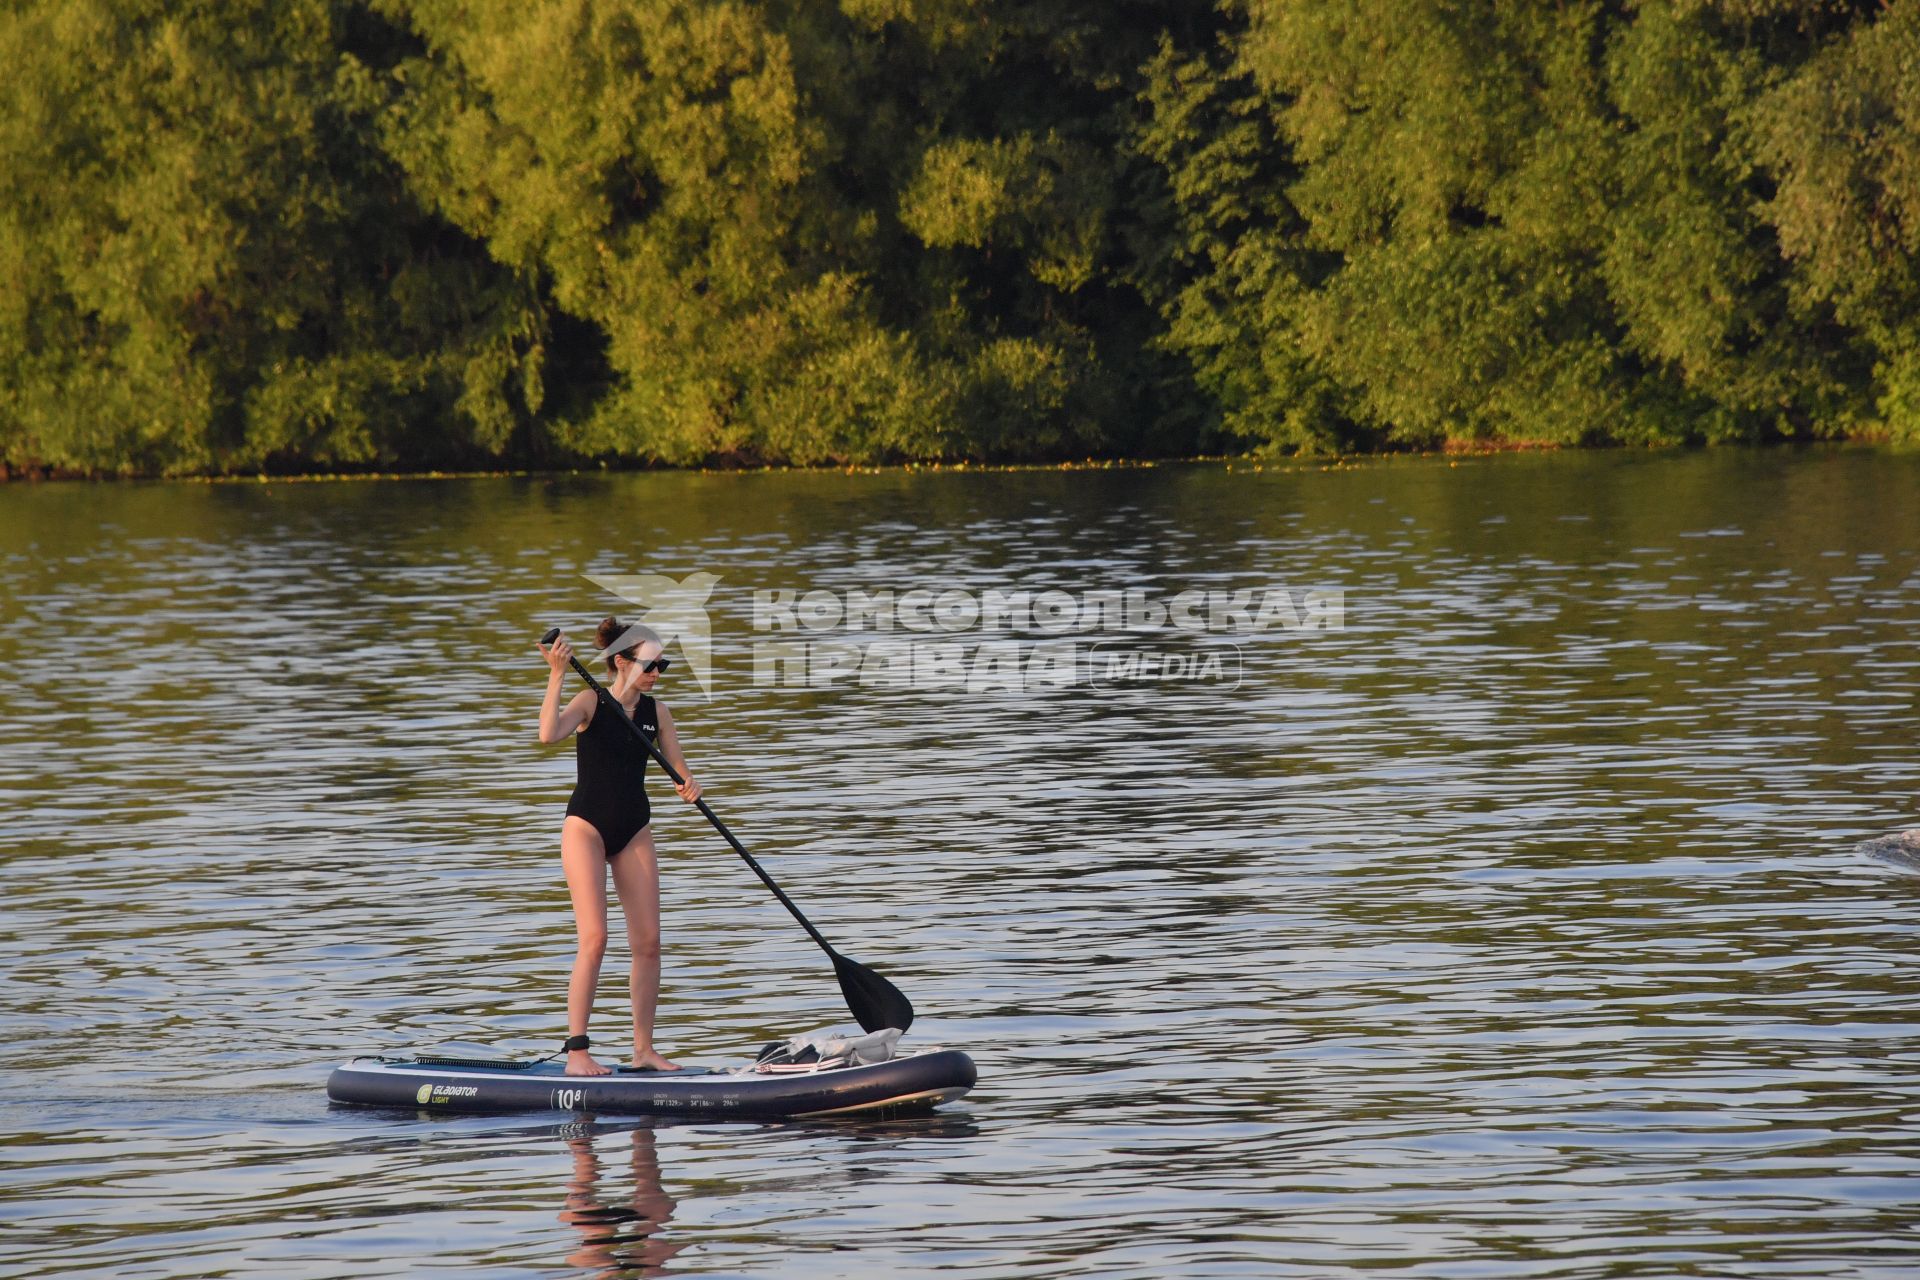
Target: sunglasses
658, 664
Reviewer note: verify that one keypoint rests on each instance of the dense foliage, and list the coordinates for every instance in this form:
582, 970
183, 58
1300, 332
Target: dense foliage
283, 234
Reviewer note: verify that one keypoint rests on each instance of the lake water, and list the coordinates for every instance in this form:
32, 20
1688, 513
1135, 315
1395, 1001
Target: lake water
1516, 928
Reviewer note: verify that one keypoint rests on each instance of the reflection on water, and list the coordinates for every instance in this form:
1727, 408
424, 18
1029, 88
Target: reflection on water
1521, 928
620, 1227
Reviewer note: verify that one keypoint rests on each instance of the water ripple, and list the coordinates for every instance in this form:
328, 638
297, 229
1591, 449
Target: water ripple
1543, 922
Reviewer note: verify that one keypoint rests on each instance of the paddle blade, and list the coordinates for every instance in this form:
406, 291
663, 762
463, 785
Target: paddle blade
876, 1003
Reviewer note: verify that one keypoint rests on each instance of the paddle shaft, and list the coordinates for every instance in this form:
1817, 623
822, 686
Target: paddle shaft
653, 750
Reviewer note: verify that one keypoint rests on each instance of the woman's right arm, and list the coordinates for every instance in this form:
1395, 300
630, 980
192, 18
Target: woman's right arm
557, 723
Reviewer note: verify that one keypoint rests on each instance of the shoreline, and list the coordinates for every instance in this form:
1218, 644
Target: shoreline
1452, 450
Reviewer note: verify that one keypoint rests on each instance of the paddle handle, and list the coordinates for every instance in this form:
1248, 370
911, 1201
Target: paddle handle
653, 750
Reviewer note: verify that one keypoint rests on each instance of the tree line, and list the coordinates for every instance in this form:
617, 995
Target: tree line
244, 235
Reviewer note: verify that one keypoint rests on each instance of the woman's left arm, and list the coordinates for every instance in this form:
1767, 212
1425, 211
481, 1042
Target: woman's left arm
670, 747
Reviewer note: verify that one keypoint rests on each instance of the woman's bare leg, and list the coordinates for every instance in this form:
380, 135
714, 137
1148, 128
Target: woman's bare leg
586, 870
636, 878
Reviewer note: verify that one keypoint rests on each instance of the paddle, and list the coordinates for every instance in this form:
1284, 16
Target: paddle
876, 1003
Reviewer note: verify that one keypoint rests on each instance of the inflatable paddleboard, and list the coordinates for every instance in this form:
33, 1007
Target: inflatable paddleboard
917, 1082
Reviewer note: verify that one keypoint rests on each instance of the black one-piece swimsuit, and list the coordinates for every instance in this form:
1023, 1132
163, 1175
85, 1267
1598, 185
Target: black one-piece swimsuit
610, 788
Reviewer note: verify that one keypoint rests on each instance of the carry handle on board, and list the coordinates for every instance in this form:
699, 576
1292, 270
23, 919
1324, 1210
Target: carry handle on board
876, 1004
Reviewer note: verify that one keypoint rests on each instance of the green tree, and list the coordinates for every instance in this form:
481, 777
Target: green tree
1505, 222
1842, 139
1226, 260
806, 232
211, 266
240, 234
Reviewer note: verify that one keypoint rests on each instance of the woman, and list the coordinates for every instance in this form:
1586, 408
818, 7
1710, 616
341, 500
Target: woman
608, 825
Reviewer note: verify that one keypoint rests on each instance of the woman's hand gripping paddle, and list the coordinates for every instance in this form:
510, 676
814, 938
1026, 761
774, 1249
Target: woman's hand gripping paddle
876, 1003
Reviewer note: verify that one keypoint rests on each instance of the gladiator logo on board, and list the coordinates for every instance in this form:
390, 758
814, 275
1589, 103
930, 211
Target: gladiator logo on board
675, 610
431, 1093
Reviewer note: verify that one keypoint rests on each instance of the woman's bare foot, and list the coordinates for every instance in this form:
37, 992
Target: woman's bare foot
650, 1058
581, 1063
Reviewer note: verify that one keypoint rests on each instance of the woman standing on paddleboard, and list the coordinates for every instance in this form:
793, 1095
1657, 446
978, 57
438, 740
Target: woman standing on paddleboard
608, 825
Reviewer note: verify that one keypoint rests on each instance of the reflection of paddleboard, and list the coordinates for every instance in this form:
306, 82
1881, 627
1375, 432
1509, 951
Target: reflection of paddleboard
1903, 850
914, 1083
